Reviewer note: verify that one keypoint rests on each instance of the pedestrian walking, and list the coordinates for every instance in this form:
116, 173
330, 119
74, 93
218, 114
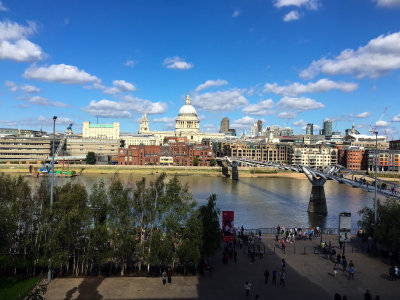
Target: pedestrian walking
337, 297
261, 253
335, 270
274, 277
247, 288
351, 272
282, 277
266, 275
164, 277
283, 263
169, 275
344, 264
257, 297
283, 245
367, 296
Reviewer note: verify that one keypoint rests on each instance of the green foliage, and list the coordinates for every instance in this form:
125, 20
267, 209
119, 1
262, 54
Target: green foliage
388, 223
90, 158
115, 227
195, 161
213, 162
13, 288
211, 233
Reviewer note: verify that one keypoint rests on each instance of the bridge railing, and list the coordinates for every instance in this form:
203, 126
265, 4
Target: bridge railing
273, 230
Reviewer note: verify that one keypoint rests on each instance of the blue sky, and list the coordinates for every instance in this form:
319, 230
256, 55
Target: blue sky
286, 62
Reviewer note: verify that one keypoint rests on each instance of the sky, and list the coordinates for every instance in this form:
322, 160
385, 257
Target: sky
285, 62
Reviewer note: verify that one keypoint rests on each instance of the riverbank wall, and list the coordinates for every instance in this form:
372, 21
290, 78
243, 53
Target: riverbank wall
151, 170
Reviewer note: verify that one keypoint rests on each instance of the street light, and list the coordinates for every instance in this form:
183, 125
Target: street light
49, 274
376, 175
52, 162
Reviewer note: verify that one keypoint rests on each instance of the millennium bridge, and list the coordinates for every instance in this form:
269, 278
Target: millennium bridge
317, 177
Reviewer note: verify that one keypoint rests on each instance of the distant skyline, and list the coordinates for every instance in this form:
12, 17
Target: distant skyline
285, 62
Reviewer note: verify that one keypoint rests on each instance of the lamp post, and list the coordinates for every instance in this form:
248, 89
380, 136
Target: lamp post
49, 274
52, 163
376, 176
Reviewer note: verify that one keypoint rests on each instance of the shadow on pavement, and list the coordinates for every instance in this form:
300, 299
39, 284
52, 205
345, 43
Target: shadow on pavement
88, 288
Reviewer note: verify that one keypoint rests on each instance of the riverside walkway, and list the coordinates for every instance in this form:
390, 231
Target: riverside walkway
308, 276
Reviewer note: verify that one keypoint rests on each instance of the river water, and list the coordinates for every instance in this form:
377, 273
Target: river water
263, 202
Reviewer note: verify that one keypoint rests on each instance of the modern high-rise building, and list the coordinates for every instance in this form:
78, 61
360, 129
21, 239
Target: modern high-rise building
310, 129
259, 127
287, 131
328, 124
224, 125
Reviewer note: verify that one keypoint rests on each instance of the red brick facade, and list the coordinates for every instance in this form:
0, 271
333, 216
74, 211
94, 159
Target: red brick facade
353, 159
183, 154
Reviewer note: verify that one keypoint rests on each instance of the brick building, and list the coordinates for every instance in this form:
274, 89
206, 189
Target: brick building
178, 153
353, 158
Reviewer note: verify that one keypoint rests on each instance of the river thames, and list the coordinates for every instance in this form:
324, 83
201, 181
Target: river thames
265, 201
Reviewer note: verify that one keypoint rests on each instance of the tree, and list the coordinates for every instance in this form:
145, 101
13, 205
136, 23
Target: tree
90, 158
211, 228
387, 229
213, 162
195, 161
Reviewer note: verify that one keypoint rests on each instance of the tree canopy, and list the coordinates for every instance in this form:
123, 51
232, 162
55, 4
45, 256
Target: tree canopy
113, 228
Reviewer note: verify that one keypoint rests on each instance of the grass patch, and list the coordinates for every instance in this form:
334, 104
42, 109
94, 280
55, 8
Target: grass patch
16, 288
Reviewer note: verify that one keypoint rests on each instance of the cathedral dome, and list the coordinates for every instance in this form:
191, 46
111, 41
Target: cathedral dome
187, 110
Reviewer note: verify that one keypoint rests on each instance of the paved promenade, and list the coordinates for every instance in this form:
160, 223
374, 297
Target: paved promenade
309, 276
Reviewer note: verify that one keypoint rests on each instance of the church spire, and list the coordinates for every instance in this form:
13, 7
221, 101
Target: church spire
187, 99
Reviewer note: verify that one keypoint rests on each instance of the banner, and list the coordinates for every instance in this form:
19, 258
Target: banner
227, 226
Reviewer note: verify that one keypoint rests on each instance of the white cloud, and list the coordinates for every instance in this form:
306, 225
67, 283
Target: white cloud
299, 104
210, 83
164, 120
387, 3
291, 16
363, 115
382, 124
49, 120
46, 102
236, 13
143, 105
122, 109
27, 88
14, 44
261, 108
2, 7
220, 101
310, 4
21, 50
380, 56
299, 123
107, 109
244, 122
130, 63
14, 31
322, 85
119, 86
177, 63
287, 115
11, 86
396, 118
60, 73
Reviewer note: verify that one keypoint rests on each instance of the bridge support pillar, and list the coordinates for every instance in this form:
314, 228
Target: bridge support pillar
235, 171
317, 202
225, 171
